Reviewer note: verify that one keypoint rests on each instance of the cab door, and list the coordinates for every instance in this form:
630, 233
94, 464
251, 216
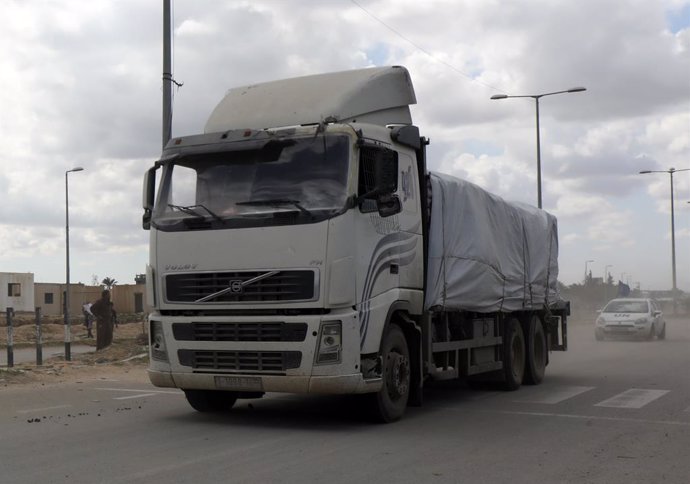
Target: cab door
388, 234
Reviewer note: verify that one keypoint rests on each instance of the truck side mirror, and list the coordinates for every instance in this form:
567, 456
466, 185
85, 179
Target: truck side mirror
147, 196
388, 205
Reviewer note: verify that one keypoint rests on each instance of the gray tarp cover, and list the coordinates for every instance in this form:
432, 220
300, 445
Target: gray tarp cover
486, 254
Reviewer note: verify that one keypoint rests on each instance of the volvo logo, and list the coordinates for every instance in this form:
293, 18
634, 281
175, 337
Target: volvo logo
236, 286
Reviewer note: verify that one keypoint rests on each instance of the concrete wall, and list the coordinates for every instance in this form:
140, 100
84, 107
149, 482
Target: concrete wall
127, 298
49, 298
130, 298
17, 291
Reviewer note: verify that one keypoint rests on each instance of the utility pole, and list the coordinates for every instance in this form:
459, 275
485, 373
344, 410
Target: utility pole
167, 73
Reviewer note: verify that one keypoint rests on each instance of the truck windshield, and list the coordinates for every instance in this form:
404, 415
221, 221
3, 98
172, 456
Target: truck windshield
287, 181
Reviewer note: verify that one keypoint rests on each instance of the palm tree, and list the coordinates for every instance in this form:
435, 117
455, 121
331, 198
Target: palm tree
109, 282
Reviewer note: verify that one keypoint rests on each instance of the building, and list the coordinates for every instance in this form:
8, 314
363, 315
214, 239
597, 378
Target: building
50, 297
17, 291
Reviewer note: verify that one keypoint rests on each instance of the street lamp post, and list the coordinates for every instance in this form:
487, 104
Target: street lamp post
606, 281
536, 98
587, 262
606, 273
670, 171
68, 351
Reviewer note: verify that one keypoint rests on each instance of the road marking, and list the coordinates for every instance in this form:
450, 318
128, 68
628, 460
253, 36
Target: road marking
178, 392
591, 417
556, 395
30, 410
140, 395
633, 398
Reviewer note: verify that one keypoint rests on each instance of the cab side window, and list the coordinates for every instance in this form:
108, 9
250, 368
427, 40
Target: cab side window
369, 156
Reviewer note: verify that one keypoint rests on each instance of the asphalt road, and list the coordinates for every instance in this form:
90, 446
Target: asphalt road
608, 412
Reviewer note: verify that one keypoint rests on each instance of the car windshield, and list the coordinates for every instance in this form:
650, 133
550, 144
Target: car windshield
626, 307
284, 181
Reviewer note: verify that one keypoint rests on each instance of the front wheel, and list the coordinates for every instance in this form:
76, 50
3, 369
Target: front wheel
652, 332
513, 355
662, 335
388, 405
210, 400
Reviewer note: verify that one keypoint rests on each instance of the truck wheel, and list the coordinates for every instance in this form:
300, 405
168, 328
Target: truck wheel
388, 405
210, 400
535, 366
513, 355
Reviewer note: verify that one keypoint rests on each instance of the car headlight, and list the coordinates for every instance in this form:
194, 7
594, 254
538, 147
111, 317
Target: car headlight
330, 343
158, 348
641, 321
600, 321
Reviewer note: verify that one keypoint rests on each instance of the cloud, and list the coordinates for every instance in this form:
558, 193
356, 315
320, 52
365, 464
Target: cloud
82, 87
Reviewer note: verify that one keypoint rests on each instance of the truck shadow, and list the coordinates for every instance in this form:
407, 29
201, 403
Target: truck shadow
345, 413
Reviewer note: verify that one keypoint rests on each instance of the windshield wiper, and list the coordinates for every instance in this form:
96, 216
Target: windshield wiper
277, 202
192, 210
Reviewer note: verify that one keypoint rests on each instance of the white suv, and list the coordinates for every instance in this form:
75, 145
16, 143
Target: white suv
632, 317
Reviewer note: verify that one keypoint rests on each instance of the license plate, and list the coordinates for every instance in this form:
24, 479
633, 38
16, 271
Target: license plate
239, 383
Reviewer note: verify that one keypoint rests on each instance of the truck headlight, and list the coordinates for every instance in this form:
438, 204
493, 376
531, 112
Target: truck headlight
158, 348
330, 343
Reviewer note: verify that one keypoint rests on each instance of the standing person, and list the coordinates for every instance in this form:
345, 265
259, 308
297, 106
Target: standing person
103, 311
112, 308
88, 319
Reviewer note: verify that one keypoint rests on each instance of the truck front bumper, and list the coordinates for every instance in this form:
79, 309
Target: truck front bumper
340, 384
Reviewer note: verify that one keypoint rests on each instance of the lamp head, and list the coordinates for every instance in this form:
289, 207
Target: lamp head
499, 96
577, 89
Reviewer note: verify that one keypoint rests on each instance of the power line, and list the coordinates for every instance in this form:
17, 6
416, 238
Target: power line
423, 50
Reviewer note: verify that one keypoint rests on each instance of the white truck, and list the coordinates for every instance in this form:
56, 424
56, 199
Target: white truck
301, 245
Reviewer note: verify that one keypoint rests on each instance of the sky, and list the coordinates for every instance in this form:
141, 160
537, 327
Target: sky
81, 87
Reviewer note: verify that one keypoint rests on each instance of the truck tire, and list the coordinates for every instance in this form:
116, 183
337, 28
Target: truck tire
388, 405
513, 355
535, 363
210, 400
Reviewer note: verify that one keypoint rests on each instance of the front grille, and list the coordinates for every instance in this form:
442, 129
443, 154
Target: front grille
261, 361
262, 331
281, 286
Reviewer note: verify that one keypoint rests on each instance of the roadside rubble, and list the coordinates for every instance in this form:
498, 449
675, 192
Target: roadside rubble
127, 356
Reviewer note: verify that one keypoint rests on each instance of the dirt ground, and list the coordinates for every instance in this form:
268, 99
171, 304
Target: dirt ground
125, 359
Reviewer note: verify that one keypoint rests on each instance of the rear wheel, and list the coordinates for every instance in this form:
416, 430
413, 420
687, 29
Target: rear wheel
513, 355
210, 400
388, 405
535, 365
